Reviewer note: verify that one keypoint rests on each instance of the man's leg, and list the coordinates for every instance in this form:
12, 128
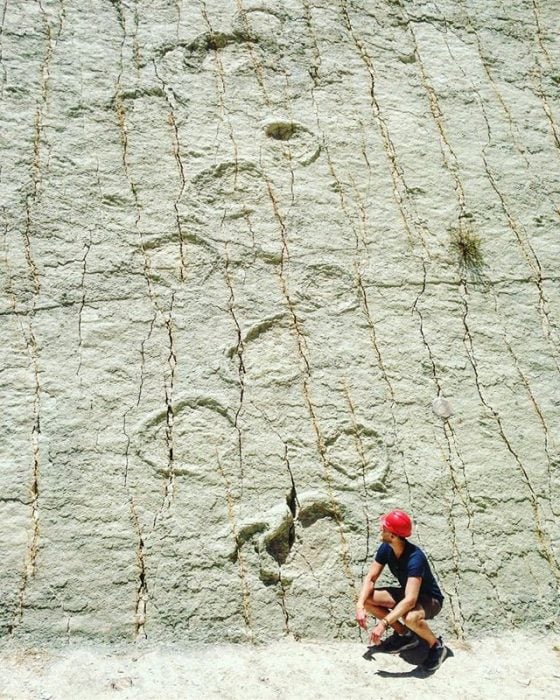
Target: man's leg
416, 621
380, 604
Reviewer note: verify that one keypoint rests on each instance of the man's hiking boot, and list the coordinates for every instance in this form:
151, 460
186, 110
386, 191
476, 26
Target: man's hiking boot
436, 656
398, 642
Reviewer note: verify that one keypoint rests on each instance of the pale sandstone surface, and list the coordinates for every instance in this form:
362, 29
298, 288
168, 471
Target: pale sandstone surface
508, 667
230, 299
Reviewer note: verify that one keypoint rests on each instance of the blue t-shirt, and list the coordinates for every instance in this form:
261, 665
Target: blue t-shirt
412, 562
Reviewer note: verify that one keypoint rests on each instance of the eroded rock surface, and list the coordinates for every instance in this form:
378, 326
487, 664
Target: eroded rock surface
268, 270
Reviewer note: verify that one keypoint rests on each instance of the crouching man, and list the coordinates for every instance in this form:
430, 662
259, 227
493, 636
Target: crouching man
418, 598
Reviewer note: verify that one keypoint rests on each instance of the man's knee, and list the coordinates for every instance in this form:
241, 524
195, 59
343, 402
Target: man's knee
413, 618
385, 597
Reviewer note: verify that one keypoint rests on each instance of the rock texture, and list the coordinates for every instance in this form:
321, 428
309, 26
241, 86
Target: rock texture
268, 270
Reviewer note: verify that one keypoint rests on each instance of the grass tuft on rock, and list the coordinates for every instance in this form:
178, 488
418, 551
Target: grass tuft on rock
467, 245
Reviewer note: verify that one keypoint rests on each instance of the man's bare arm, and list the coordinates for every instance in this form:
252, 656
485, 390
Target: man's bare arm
367, 590
411, 593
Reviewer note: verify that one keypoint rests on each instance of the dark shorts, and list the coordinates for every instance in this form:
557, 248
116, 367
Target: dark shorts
430, 606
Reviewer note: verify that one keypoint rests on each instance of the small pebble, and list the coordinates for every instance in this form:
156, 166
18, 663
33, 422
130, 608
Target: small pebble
441, 407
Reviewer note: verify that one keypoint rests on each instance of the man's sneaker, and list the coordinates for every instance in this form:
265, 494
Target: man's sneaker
436, 656
398, 642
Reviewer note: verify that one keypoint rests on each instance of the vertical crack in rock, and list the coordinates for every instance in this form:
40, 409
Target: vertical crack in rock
142, 593
542, 537
521, 236
513, 129
292, 498
120, 110
288, 151
359, 236
316, 66
169, 417
248, 221
448, 429
522, 240
456, 489
411, 223
238, 351
135, 45
143, 359
319, 592
306, 381
121, 118
360, 241
117, 4
35, 485
549, 330
360, 204
476, 90
248, 35
456, 608
127, 450
450, 160
31, 201
465, 497
28, 252
454, 597
547, 435
3, 73
220, 89
214, 46
40, 135
362, 294
481, 561
363, 471
282, 595
30, 564
416, 310
242, 568
32, 548
284, 261
41, 138
172, 121
82, 304
179, 10
539, 76
293, 505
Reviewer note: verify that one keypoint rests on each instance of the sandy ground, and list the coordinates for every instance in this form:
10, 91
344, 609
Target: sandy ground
506, 667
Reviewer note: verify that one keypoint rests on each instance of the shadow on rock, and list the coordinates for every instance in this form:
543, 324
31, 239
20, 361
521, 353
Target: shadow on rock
412, 656
417, 672
415, 656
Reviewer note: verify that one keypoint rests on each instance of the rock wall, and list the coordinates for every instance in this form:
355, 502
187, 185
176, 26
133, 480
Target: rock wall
268, 270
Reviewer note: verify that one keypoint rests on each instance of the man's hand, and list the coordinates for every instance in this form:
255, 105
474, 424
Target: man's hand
361, 617
377, 632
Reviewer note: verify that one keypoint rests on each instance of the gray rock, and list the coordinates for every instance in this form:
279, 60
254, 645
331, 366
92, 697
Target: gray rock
243, 247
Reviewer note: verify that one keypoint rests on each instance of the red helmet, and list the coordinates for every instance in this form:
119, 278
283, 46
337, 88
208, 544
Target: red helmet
398, 522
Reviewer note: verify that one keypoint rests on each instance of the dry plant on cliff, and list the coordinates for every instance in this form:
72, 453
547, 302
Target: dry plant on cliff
467, 245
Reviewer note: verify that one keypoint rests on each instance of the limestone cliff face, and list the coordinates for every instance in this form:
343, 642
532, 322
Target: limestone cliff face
268, 270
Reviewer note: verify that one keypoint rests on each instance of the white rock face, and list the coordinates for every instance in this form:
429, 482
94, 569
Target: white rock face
244, 245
